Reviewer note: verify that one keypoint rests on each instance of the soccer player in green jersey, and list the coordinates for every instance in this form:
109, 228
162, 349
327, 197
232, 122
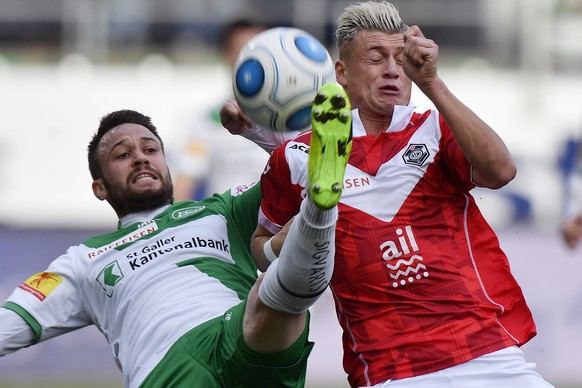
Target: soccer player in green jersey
175, 288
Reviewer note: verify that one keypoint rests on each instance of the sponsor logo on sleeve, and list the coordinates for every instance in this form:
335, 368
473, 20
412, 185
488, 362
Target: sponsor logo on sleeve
41, 284
299, 146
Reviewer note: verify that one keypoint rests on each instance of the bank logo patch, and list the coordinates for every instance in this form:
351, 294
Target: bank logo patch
186, 212
109, 277
416, 154
41, 284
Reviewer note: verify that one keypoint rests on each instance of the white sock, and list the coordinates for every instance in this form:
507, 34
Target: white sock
295, 280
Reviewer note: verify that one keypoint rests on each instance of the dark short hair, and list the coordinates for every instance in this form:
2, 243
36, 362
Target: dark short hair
234, 27
107, 123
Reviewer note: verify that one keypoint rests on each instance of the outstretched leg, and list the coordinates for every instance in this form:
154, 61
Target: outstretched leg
301, 273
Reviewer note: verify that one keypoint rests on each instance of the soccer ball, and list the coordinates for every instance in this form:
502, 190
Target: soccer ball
277, 75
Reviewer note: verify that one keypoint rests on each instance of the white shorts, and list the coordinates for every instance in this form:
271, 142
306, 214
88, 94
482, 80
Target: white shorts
505, 368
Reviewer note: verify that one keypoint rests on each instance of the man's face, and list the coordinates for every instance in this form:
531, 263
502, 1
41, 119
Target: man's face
135, 174
371, 70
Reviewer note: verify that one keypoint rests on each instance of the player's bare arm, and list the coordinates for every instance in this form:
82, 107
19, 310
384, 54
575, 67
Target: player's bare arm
493, 165
262, 236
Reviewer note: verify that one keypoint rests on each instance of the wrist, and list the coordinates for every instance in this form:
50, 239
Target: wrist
268, 251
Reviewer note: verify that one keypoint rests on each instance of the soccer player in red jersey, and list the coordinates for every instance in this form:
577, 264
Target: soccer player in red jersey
423, 291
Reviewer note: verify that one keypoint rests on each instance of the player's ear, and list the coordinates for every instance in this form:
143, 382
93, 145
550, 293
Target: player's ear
99, 189
340, 72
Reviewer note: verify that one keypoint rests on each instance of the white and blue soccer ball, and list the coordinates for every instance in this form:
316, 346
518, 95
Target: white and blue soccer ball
277, 75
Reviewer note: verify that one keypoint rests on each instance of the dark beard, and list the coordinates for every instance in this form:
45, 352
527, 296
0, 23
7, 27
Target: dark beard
125, 201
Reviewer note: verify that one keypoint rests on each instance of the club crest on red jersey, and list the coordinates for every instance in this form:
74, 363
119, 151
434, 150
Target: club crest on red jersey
416, 154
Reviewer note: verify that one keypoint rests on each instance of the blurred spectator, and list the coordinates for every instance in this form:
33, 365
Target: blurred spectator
211, 160
571, 227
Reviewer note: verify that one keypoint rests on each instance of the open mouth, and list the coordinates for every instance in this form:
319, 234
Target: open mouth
390, 89
143, 177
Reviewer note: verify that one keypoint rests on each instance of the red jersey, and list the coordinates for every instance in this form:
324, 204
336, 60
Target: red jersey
420, 282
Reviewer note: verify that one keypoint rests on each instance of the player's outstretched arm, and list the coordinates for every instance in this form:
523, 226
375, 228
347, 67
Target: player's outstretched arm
15, 333
237, 123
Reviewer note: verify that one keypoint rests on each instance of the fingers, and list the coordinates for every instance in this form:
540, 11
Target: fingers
413, 31
417, 48
233, 118
229, 111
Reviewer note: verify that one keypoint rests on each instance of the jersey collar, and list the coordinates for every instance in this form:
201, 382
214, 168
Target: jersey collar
400, 119
146, 216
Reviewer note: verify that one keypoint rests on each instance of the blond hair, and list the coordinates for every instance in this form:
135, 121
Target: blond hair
368, 15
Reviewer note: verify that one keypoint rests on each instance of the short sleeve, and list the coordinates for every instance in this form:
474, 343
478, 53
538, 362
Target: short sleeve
51, 301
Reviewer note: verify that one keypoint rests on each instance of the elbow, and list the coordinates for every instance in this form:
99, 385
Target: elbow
509, 172
504, 176
496, 178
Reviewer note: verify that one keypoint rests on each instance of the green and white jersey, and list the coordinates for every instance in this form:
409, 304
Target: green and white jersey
147, 284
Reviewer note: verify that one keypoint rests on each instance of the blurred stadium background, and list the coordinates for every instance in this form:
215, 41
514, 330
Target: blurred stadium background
65, 63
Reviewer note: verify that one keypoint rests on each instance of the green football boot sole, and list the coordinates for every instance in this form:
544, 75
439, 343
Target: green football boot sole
331, 143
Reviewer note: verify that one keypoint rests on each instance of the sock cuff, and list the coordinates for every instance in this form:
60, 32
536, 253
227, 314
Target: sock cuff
313, 220
318, 218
